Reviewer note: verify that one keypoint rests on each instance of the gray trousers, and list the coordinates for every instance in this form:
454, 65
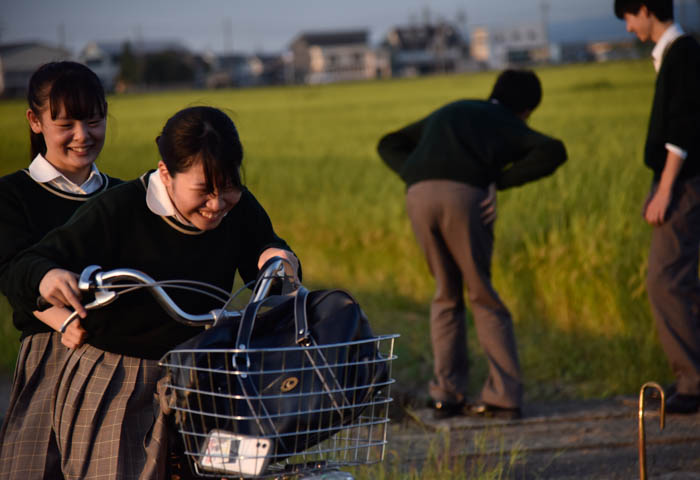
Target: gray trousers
446, 219
674, 288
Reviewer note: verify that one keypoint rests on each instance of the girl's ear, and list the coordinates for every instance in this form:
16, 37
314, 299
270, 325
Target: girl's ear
34, 122
164, 174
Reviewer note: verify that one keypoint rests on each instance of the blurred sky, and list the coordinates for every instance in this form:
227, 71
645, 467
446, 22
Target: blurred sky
270, 25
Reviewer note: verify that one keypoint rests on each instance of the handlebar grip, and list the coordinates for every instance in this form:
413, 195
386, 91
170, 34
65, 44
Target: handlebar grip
42, 304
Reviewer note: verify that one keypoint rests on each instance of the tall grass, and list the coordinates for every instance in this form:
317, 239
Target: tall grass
479, 456
570, 250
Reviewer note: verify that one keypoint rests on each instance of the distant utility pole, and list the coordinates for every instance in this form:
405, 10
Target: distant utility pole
544, 7
61, 33
228, 34
138, 37
426, 15
461, 18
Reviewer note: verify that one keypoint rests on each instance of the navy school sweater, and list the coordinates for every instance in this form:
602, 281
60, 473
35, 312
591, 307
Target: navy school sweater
675, 114
117, 230
475, 142
28, 211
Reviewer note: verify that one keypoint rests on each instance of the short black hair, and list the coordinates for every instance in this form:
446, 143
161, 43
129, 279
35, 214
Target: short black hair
70, 85
203, 134
517, 90
662, 9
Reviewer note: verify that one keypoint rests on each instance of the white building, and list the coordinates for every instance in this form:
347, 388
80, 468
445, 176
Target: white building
103, 59
520, 45
336, 56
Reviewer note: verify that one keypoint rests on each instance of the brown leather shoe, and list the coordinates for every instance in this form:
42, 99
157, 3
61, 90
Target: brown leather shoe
442, 410
485, 410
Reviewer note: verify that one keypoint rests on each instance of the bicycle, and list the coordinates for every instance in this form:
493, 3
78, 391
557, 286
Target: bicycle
340, 399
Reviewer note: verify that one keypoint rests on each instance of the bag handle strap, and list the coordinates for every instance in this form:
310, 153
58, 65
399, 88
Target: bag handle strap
301, 323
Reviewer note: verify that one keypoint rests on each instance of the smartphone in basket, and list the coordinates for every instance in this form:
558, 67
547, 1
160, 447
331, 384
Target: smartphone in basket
226, 452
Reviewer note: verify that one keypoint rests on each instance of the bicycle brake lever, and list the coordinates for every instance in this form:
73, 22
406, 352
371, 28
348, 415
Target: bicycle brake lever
102, 298
86, 283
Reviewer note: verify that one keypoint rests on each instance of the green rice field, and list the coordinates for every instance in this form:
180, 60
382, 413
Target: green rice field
570, 256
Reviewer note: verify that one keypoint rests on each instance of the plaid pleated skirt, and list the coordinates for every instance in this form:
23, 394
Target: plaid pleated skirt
106, 417
27, 445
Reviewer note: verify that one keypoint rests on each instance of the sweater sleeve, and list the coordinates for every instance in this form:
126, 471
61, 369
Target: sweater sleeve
394, 148
258, 236
540, 156
684, 97
16, 235
83, 240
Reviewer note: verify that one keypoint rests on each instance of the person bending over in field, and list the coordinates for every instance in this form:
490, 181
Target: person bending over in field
191, 217
453, 161
672, 207
67, 117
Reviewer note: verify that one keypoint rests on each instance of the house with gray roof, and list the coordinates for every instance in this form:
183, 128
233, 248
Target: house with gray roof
426, 48
336, 56
19, 60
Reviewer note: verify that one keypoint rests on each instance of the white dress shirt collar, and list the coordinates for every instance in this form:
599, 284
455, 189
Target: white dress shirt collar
42, 171
668, 37
158, 200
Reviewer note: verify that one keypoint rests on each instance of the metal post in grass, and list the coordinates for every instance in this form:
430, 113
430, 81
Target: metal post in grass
642, 438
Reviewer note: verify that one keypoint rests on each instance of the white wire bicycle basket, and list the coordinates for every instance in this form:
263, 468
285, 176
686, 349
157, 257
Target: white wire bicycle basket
278, 412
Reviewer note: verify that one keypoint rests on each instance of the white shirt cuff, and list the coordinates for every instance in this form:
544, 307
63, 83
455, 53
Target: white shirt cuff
677, 150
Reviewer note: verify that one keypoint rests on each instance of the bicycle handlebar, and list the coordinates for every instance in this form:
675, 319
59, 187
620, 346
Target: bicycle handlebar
93, 279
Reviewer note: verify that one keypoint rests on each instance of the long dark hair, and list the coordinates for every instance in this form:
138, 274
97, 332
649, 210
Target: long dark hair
203, 134
70, 85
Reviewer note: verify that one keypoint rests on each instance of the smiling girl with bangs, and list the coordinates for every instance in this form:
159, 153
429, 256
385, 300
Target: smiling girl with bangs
67, 119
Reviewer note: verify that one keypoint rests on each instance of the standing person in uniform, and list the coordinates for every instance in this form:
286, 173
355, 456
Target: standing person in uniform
672, 207
453, 161
192, 217
67, 119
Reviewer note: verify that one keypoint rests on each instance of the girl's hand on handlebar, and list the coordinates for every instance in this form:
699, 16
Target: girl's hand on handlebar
291, 265
60, 288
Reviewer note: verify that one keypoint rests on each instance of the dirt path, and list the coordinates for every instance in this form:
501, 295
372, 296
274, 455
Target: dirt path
572, 440
594, 439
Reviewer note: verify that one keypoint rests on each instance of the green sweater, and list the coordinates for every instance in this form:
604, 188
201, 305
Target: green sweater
28, 211
117, 230
675, 114
471, 141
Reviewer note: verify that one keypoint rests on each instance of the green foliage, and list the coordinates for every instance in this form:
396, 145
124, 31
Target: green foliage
130, 67
570, 253
166, 67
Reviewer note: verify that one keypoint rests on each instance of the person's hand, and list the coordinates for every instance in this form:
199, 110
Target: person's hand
291, 265
60, 288
75, 335
656, 208
488, 206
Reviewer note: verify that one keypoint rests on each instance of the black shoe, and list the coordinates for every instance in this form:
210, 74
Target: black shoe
679, 403
442, 410
668, 391
485, 410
